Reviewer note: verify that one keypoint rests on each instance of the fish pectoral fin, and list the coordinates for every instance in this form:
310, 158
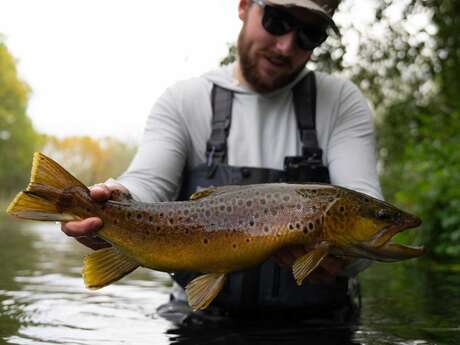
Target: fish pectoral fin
304, 265
202, 290
105, 266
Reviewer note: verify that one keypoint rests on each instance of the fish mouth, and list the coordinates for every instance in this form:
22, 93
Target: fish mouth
381, 247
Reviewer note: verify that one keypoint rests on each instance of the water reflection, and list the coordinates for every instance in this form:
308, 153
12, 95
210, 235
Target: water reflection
43, 301
261, 333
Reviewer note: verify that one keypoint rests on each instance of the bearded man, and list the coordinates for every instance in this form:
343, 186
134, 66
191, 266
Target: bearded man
265, 118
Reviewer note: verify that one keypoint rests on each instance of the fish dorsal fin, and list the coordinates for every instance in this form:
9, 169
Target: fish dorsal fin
202, 194
105, 266
217, 191
203, 289
304, 265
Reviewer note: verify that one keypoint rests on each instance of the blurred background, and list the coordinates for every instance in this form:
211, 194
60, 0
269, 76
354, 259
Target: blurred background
78, 78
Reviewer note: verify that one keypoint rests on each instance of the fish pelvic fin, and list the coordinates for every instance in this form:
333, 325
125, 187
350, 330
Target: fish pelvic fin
305, 264
202, 290
106, 266
44, 197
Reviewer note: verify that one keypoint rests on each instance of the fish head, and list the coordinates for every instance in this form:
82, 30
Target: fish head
364, 227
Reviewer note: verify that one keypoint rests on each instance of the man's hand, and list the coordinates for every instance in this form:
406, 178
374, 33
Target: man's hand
326, 272
85, 230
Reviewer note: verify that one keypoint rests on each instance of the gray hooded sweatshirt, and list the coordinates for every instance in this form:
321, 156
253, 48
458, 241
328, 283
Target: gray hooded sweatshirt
263, 131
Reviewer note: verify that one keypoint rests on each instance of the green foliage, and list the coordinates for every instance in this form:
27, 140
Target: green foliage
407, 62
422, 159
18, 139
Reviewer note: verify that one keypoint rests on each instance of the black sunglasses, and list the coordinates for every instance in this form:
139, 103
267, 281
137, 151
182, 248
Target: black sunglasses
278, 22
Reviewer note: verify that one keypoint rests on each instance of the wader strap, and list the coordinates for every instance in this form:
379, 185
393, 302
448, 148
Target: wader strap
304, 97
216, 149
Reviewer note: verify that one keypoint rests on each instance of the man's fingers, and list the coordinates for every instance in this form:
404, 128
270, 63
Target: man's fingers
100, 192
81, 228
94, 243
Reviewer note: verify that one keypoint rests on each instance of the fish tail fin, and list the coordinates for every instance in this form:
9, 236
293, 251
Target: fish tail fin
50, 190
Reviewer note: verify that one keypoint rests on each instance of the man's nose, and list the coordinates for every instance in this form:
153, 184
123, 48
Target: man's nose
286, 44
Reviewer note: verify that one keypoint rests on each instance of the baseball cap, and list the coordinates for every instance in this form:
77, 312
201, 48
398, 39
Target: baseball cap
324, 8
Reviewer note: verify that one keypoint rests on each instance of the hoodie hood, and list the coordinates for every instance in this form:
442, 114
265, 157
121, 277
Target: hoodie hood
224, 77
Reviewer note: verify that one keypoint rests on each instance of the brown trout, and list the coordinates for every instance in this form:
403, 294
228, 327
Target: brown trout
220, 230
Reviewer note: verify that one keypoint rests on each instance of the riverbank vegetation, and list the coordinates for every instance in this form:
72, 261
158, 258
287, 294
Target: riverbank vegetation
406, 62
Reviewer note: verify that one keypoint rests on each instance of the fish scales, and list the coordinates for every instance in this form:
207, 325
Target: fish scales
220, 230
214, 230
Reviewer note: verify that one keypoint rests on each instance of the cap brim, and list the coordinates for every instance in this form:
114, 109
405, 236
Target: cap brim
311, 6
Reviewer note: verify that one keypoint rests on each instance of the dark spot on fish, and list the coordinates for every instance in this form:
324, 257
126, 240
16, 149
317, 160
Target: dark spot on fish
291, 227
266, 228
266, 211
240, 202
186, 231
150, 219
297, 225
222, 207
256, 216
128, 215
234, 246
116, 221
299, 206
205, 241
286, 198
305, 230
342, 209
229, 209
249, 203
139, 216
162, 215
311, 226
263, 201
251, 223
248, 240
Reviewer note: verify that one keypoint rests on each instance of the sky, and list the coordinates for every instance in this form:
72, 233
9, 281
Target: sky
96, 67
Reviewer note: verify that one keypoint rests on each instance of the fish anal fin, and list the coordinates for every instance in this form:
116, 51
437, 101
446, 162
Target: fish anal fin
305, 264
106, 266
202, 290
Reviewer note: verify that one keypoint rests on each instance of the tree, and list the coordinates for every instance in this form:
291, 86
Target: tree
18, 139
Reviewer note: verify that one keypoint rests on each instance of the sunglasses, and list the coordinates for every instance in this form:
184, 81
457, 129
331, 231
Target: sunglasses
278, 22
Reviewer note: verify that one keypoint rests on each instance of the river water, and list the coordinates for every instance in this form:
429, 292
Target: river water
43, 301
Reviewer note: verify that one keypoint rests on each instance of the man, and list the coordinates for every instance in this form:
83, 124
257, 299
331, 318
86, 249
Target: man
263, 119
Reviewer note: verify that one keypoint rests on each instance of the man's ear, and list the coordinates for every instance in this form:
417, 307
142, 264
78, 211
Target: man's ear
243, 9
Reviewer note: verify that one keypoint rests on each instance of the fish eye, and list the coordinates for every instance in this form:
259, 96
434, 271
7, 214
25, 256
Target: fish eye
382, 215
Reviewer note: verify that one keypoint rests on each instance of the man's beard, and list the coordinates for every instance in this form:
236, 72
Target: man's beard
251, 74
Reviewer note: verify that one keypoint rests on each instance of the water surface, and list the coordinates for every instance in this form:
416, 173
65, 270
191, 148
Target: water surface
43, 301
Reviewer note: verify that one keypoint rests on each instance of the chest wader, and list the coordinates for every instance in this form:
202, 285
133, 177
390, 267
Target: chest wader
269, 288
